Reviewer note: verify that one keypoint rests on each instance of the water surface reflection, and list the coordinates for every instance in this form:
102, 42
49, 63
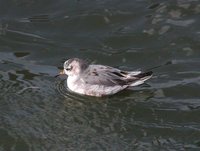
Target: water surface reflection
38, 112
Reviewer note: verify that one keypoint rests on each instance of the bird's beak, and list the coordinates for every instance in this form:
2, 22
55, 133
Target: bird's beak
61, 72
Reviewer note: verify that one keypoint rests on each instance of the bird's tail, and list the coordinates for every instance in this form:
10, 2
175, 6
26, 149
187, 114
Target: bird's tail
141, 78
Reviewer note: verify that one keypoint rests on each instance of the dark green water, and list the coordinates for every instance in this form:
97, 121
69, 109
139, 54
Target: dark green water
38, 113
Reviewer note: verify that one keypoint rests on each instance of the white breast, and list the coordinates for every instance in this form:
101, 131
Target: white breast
77, 85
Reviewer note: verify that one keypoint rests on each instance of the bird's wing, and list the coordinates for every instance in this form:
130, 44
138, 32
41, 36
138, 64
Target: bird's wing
104, 75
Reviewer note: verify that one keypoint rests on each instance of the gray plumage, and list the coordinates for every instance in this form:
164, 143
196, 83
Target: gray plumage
100, 80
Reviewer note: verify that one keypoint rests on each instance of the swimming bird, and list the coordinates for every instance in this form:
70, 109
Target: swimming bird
100, 80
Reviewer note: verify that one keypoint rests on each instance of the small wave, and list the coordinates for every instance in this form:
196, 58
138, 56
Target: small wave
183, 23
36, 19
25, 34
63, 90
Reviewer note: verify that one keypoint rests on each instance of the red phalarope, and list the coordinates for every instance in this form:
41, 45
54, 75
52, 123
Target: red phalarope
100, 80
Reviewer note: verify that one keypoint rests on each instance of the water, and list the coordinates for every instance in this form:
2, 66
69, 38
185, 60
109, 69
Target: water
37, 112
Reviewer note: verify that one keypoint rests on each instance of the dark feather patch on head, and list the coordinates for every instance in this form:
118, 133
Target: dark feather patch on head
83, 63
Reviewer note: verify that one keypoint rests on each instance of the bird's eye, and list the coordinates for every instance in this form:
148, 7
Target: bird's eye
68, 68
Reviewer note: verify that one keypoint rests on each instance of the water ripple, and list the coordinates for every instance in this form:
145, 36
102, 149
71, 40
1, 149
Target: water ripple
63, 90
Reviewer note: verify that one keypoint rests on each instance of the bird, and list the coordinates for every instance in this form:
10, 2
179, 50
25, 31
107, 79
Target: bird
100, 80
